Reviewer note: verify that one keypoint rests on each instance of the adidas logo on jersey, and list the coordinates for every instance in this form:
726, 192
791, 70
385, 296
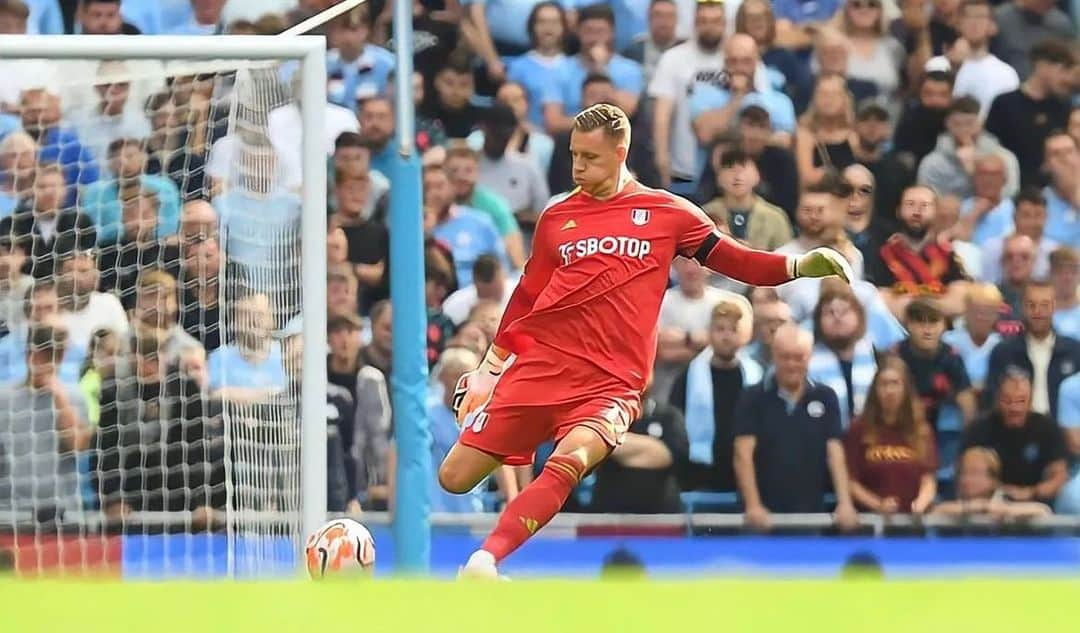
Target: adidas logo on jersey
570, 224
633, 247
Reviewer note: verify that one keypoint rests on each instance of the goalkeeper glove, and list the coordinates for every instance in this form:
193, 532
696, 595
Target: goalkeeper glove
474, 387
823, 262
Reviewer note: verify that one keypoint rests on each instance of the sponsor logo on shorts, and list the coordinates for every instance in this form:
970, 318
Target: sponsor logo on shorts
631, 247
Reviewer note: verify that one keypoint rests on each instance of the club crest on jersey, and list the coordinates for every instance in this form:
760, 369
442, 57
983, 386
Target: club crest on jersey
640, 217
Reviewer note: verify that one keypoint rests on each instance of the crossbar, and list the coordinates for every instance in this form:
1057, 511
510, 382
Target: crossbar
158, 46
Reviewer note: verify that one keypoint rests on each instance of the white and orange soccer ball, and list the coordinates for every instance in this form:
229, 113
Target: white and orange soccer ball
341, 547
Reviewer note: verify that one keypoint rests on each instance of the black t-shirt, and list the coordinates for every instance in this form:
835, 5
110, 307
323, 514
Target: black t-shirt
938, 378
120, 265
1021, 124
1025, 452
201, 321
369, 243
433, 42
727, 385
918, 130
790, 459
457, 122
640, 490
845, 368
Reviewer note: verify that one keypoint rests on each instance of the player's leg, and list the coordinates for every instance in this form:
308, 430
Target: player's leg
465, 467
579, 451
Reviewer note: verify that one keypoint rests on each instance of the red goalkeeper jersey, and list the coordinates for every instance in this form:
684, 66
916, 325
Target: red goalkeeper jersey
583, 319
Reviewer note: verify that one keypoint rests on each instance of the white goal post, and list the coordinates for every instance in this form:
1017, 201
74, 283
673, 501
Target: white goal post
308, 53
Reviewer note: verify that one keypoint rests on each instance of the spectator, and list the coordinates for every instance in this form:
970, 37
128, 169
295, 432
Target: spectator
787, 436
867, 231
786, 71
137, 249
366, 436
982, 74
823, 140
376, 130
486, 314
648, 46
1063, 192
746, 215
797, 22
769, 315
43, 221
924, 31
157, 311
436, 34
1017, 263
463, 169
84, 308
206, 19
103, 367
451, 102
355, 68
916, 261
540, 66
103, 17
445, 430
103, 201
40, 308
1029, 220
368, 239
48, 418
832, 55
495, 28
465, 231
112, 114
526, 139
923, 120
1023, 25
892, 170
1065, 277
1047, 357
1030, 444
490, 283
596, 32
1023, 119
890, 449
200, 278
976, 337
941, 380
706, 394
684, 322
14, 17
875, 55
379, 352
285, 122
40, 111
679, 72
509, 173
947, 225
14, 283
987, 214
352, 159
979, 491
342, 294
167, 153
950, 167
250, 368
641, 476
18, 155
843, 355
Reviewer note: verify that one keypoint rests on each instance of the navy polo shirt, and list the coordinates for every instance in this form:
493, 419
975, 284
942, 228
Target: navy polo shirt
790, 457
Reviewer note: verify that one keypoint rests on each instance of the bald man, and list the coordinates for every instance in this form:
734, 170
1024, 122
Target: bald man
787, 433
713, 108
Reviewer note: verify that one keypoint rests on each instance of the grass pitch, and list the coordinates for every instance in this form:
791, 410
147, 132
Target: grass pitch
976, 606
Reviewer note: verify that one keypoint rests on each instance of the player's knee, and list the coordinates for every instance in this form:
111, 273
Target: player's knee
454, 480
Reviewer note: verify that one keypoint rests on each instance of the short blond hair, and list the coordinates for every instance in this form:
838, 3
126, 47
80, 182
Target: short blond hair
604, 116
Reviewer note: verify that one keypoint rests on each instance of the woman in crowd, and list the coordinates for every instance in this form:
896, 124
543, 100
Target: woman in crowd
826, 133
891, 456
875, 55
786, 72
539, 67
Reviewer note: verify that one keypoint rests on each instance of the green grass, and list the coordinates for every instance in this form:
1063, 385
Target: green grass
723, 606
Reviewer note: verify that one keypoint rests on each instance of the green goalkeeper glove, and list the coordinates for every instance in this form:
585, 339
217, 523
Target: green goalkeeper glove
823, 262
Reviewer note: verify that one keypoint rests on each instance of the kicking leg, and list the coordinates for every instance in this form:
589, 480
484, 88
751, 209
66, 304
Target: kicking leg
465, 467
578, 452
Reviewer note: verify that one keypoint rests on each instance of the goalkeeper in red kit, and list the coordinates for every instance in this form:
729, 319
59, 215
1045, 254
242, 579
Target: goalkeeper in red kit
581, 329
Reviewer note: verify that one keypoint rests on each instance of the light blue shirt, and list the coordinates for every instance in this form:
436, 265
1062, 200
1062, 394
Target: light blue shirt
45, 17
976, 358
508, 19
469, 234
366, 76
256, 228
444, 433
1067, 322
631, 20
1062, 219
799, 11
150, 16
8, 202
228, 368
101, 203
996, 224
1069, 402
625, 74
535, 73
13, 360
781, 111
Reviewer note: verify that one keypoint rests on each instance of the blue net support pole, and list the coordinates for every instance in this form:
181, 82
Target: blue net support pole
412, 533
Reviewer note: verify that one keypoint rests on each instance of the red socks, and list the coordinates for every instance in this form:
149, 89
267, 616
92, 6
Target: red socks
535, 506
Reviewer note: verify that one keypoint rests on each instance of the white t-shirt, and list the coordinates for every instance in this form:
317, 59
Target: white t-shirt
1040, 353
284, 125
693, 315
102, 312
984, 79
458, 305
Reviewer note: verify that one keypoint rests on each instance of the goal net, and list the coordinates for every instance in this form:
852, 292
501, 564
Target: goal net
153, 263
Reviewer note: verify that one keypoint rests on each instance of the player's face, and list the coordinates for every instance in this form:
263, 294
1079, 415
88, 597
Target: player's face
596, 158
724, 338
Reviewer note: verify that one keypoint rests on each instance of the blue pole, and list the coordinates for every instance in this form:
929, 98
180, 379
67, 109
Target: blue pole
412, 534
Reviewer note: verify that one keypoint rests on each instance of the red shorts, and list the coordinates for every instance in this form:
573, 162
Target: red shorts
512, 432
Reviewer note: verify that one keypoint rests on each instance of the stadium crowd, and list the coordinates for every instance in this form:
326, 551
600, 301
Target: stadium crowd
149, 250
